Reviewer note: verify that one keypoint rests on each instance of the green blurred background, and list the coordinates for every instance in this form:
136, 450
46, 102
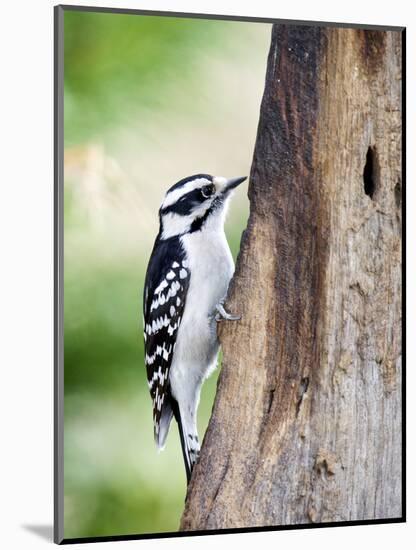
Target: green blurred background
148, 100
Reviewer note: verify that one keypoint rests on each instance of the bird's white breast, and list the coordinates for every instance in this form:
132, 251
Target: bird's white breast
211, 267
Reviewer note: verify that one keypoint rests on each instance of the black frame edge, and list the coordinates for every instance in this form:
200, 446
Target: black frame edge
404, 277
239, 530
132, 11
58, 524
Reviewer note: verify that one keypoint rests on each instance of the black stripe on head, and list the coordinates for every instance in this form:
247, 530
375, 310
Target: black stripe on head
189, 178
197, 224
185, 204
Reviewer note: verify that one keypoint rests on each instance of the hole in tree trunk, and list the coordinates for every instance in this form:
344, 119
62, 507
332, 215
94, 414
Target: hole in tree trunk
398, 194
368, 174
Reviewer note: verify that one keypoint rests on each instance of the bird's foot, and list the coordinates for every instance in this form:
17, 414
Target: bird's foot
224, 315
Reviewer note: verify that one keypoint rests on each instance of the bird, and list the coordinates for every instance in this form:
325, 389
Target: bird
186, 283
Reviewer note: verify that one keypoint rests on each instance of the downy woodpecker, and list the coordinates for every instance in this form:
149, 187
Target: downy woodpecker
186, 283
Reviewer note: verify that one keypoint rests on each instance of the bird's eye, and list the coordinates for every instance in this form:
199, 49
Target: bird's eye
208, 190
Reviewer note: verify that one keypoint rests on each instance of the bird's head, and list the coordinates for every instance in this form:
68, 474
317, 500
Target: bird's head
195, 203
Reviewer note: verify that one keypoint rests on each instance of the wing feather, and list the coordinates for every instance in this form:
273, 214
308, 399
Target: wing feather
166, 286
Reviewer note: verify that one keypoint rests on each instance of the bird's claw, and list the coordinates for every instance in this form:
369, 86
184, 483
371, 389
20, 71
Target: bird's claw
224, 315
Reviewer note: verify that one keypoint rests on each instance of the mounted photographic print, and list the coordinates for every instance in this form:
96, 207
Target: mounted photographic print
228, 274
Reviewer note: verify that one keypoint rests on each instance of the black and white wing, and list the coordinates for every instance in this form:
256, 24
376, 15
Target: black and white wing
166, 286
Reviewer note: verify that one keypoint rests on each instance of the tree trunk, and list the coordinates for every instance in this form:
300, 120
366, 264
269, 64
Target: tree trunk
306, 425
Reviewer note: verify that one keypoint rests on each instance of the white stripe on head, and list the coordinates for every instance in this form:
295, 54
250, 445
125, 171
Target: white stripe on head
174, 224
173, 196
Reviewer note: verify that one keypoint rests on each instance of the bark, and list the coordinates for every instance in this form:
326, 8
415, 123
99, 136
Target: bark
306, 425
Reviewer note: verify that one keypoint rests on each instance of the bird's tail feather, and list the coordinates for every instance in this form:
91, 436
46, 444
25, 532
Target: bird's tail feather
189, 442
163, 427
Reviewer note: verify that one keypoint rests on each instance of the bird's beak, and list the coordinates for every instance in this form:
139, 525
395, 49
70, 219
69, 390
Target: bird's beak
233, 182
225, 185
